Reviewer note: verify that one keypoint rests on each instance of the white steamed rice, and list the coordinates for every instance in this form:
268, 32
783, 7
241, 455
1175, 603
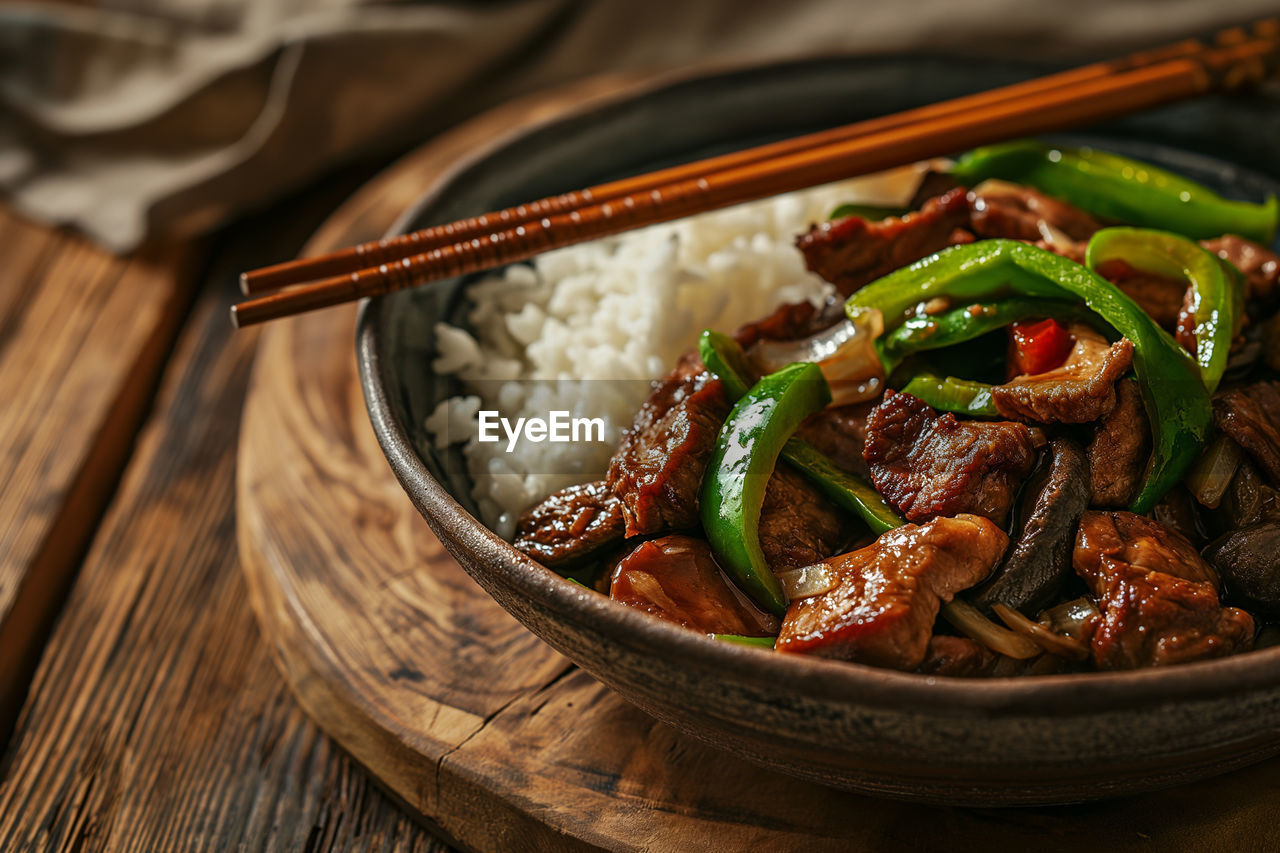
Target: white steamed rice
622, 308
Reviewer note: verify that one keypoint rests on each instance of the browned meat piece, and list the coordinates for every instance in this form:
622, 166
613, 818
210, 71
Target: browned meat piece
932, 185
960, 657
852, 252
656, 471
1160, 297
1159, 598
798, 527
1143, 544
1081, 390
887, 595
676, 578
840, 432
1001, 209
790, 322
1120, 447
571, 526
1251, 416
1260, 265
926, 464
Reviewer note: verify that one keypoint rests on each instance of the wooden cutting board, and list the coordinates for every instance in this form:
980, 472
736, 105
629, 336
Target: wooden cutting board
481, 730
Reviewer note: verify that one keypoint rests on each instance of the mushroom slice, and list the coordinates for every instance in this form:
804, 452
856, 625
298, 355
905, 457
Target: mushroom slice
1045, 531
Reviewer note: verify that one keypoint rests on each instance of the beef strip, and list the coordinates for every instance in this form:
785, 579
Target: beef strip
1001, 209
1260, 265
675, 578
852, 252
571, 526
1251, 416
840, 432
960, 657
1143, 544
1159, 598
1044, 531
791, 322
882, 609
1079, 391
932, 185
798, 526
1120, 447
656, 472
1162, 298
928, 464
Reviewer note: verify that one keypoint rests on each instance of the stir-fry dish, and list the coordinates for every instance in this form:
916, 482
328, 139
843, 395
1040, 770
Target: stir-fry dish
1038, 432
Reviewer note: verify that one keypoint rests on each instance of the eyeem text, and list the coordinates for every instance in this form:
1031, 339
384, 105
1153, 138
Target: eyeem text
559, 426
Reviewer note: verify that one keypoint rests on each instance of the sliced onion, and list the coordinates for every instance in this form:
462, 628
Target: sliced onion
1054, 644
1053, 235
648, 586
846, 353
1213, 471
808, 581
969, 621
1076, 618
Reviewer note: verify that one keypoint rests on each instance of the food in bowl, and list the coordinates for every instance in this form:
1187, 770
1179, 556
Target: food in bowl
1027, 423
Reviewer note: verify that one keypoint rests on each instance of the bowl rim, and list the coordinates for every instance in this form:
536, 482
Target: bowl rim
812, 678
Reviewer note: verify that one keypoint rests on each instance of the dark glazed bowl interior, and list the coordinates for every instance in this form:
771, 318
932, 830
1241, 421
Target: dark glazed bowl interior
998, 741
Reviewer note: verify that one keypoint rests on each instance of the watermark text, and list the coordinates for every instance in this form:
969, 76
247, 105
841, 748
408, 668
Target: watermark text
559, 427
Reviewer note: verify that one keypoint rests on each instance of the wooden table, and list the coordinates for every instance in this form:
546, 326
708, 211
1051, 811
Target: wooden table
154, 717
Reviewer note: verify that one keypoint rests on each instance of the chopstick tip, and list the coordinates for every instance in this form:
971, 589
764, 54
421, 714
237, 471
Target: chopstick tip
244, 286
235, 317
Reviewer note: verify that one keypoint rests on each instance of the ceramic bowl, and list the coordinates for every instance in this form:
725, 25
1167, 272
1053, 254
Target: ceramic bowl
989, 742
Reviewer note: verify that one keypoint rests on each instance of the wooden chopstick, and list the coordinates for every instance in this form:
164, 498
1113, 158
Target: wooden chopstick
376, 252
1242, 58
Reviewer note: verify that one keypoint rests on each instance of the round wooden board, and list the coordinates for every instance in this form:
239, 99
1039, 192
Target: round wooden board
480, 729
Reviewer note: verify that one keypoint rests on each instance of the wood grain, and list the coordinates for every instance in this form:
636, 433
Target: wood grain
83, 338
492, 736
156, 720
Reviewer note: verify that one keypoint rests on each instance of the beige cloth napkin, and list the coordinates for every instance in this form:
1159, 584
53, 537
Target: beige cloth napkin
141, 116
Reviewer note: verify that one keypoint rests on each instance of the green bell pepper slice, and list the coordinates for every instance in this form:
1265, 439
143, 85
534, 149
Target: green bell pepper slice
739, 640
949, 394
1176, 400
1121, 189
929, 332
1217, 290
741, 463
723, 356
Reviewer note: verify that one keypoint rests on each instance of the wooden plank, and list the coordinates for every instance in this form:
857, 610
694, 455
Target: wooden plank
83, 338
156, 720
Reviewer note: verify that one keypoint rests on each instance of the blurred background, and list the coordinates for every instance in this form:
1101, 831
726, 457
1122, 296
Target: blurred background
126, 118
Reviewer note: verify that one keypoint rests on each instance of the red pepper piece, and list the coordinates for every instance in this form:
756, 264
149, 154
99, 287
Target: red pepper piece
1039, 347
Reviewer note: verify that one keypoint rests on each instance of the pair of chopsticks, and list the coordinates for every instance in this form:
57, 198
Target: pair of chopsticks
1235, 58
